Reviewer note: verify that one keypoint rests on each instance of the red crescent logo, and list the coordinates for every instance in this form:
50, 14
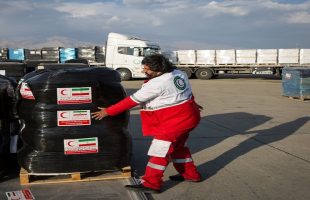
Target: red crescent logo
63, 92
62, 115
69, 143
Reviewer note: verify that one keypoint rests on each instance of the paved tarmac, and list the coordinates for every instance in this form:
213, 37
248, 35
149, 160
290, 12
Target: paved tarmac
252, 143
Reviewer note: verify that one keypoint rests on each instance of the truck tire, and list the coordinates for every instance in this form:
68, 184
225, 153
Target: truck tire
125, 74
187, 71
204, 73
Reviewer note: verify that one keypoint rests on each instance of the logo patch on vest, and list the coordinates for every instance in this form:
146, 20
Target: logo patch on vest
179, 83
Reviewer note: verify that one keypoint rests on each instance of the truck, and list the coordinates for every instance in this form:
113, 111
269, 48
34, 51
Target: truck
125, 53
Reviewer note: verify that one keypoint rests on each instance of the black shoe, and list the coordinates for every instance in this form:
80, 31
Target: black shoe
141, 188
180, 178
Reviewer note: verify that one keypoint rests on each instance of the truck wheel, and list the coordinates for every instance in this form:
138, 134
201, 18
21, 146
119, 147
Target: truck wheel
204, 73
187, 71
125, 74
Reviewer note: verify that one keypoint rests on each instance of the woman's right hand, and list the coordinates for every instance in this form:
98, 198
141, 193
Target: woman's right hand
99, 114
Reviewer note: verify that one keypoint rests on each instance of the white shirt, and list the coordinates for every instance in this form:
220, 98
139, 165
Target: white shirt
166, 90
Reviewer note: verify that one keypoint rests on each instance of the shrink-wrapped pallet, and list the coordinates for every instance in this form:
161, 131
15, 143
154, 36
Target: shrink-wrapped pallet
13, 70
288, 56
4, 54
304, 56
50, 53
16, 54
267, 56
87, 53
100, 54
67, 54
225, 57
246, 56
33, 54
59, 136
205, 57
186, 57
296, 82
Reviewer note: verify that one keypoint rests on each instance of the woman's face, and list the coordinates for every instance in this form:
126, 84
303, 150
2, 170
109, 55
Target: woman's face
149, 73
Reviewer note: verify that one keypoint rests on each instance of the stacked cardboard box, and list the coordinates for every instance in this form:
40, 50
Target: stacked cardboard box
288, 56
205, 57
225, 57
246, 56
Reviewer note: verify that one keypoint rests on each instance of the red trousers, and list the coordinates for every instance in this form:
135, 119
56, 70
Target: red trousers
179, 154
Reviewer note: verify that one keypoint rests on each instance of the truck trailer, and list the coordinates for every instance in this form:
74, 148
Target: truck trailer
207, 64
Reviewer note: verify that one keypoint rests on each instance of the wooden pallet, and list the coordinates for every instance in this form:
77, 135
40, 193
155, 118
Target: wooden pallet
301, 98
33, 178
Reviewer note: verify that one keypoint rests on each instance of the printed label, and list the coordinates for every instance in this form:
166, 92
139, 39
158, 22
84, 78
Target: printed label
288, 76
24, 194
2, 72
73, 118
77, 95
26, 92
81, 146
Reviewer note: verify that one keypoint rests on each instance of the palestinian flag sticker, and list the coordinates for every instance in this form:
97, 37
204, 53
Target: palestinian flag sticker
76, 95
81, 146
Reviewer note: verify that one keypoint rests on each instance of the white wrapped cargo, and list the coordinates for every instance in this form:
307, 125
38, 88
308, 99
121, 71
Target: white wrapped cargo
225, 57
171, 55
304, 56
205, 57
186, 57
246, 56
267, 56
288, 56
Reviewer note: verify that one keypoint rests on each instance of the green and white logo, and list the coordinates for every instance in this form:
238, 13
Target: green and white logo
179, 83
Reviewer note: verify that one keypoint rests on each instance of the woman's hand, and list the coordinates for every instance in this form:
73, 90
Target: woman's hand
99, 114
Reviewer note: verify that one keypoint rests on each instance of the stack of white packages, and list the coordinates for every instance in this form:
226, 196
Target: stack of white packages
288, 56
225, 57
205, 57
246, 56
304, 56
171, 55
186, 57
267, 56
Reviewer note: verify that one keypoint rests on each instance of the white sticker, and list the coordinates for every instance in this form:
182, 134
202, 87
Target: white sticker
73, 118
81, 146
26, 92
288, 75
76, 95
2, 72
24, 194
159, 148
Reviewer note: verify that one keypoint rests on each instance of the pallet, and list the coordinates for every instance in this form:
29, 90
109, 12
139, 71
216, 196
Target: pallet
27, 178
301, 98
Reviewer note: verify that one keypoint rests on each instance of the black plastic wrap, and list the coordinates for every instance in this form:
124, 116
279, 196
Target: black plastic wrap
7, 97
14, 70
44, 147
8, 117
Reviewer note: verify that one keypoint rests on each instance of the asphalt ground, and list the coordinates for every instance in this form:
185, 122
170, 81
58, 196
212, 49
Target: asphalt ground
252, 143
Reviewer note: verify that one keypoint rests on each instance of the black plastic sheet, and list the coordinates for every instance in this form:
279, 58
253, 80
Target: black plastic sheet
9, 124
43, 137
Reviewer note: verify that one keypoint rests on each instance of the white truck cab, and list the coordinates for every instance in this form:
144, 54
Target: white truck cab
125, 53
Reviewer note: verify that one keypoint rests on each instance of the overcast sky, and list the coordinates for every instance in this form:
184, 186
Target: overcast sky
174, 24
